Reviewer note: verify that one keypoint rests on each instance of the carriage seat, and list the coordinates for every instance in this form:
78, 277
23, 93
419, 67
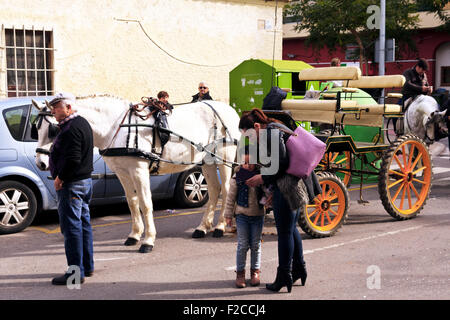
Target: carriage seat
390, 81
330, 73
311, 110
369, 115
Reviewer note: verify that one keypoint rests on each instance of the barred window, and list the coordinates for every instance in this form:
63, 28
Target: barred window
29, 62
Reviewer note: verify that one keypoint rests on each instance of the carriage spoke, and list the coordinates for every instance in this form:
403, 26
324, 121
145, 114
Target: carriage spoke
334, 205
395, 183
404, 155
414, 190
411, 154
419, 181
418, 170
396, 172
403, 197
317, 217
409, 195
329, 193
416, 161
333, 212
322, 220
334, 197
313, 213
398, 191
328, 217
342, 160
398, 162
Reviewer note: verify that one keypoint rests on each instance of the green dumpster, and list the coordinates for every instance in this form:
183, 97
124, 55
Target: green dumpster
252, 80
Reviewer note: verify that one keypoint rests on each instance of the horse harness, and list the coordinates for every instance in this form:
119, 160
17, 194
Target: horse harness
53, 129
158, 110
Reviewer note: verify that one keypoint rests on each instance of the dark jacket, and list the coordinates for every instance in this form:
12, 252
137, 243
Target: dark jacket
296, 191
196, 97
283, 158
413, 84
71, 155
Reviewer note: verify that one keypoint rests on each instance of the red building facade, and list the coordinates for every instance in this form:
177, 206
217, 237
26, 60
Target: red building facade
432, 45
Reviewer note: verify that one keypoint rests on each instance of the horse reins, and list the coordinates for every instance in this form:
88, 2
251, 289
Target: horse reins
42, 115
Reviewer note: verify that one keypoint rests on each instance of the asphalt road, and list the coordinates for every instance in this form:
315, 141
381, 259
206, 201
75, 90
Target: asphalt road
373, 256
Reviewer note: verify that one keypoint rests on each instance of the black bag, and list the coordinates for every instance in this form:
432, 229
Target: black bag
273, 99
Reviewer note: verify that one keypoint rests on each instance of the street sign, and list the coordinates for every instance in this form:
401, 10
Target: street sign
389, 50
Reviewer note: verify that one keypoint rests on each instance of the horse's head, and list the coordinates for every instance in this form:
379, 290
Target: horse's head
436, 127
45, 129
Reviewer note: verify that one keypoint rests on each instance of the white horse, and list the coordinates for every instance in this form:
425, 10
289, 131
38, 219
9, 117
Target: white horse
423, 119
195, 122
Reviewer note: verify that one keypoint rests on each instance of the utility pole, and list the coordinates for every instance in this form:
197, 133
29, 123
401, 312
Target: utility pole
382, 53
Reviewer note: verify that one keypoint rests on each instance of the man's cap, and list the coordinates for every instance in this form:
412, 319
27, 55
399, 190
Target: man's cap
60, 97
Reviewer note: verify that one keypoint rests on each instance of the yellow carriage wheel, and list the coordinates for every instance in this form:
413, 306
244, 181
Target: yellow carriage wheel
405, 177
336, 161
329, 210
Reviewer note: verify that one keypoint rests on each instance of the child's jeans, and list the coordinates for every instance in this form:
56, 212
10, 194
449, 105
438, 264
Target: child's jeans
249, 231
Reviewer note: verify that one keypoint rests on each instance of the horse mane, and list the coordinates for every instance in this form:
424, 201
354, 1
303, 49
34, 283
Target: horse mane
96, 95
103, 99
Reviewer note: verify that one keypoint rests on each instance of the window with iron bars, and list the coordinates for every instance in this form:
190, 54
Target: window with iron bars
29, 62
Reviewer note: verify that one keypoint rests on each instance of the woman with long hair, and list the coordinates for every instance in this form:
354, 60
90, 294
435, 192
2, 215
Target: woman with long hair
291, 265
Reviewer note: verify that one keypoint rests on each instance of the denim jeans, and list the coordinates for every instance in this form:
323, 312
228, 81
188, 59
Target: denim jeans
290, 247
74, 219
249, 230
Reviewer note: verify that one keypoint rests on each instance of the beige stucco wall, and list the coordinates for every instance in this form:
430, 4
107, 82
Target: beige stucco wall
98, 53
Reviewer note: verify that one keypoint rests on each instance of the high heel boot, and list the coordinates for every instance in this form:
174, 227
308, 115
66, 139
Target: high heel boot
284, 278
299, 272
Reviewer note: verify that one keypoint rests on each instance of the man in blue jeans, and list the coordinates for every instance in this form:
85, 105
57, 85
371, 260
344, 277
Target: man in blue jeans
71, 166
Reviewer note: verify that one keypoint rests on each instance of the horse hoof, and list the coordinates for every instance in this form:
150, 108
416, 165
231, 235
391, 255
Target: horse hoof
145, 248
131, 242
198, 234
217, 233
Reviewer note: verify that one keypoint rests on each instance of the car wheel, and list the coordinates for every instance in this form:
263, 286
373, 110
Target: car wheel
18, 206
191, 190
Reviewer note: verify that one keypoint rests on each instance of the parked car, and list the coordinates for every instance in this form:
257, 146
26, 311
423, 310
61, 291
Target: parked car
26, 191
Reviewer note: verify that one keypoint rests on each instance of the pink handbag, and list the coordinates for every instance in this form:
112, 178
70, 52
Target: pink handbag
305, 152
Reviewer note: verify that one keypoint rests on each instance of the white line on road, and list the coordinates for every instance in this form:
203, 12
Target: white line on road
384, 234
109, 259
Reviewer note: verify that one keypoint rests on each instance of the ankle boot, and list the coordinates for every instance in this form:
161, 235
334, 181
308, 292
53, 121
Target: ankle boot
240, 279
299, 272
284, 278
254, 281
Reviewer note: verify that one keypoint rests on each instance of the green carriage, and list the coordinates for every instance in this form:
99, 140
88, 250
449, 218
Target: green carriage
403, 167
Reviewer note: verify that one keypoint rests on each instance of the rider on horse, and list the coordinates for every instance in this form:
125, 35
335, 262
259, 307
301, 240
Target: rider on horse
416, 82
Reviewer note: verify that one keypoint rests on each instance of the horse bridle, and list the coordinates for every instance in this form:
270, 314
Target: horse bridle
53, 129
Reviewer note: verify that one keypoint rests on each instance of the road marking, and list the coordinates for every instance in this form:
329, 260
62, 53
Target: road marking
110, 259
58, 229
379, 235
